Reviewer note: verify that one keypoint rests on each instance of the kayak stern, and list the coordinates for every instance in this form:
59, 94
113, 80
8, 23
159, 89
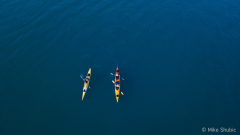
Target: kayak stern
83, 94
117, 99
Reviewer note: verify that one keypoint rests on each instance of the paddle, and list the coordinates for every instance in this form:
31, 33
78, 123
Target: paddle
81, 77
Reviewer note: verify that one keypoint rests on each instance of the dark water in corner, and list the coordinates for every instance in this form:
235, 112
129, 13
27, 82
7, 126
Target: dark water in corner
180, 61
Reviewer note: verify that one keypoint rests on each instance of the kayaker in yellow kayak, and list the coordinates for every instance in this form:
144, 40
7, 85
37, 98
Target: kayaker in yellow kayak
117, 85
86, 82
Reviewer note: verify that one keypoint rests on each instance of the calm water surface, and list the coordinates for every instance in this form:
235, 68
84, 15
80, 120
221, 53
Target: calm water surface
180, 61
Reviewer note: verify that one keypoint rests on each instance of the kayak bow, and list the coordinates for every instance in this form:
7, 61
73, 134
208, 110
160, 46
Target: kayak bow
85, 87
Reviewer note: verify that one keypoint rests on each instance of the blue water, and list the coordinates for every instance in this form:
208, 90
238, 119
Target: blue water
180, 61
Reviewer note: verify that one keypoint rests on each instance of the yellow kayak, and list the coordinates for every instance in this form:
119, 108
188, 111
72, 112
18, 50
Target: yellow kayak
86, 83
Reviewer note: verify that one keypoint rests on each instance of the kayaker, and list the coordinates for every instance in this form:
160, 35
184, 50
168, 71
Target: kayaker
117, 76
116, 84
86, 80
